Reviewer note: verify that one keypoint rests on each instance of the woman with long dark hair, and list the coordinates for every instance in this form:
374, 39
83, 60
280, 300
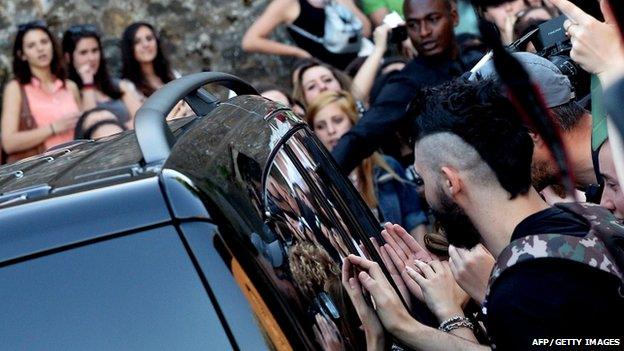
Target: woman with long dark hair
87, 68
40, 107
144, 63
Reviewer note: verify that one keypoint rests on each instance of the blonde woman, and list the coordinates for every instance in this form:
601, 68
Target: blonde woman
379, 179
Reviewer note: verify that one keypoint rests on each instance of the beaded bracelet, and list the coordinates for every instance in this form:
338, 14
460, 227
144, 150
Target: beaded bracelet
450, 320
459, 324
454, 323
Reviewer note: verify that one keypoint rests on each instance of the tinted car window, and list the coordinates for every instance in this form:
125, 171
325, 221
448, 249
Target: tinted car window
139, 292
310, 227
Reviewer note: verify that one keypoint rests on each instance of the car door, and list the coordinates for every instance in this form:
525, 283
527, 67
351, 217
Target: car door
309, 217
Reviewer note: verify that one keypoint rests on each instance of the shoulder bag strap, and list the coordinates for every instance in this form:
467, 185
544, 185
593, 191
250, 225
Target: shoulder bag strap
306, 34
27, 121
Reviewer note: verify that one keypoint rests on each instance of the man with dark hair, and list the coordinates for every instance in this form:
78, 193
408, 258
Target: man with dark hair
430, 28
574, 122
474, 155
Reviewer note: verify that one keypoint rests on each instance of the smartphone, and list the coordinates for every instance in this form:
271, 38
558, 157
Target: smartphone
399, 31
398, 34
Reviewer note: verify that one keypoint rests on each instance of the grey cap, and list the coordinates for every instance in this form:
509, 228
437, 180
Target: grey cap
555, 86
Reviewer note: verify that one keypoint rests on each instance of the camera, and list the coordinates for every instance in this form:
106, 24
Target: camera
398, 34
551, 43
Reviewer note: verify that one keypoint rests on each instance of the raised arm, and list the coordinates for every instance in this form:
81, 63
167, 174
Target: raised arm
596, 46
378, 15
365, 76
378, 125
89, 96
366, 24
256, 39
89, 99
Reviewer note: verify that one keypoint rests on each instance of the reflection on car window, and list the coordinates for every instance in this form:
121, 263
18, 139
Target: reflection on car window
309, 230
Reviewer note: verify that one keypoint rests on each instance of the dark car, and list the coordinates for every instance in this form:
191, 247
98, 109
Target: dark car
222, 231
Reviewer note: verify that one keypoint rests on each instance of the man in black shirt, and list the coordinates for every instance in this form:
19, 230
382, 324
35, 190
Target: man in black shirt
573, 121
474, 156
557, 299
430, 28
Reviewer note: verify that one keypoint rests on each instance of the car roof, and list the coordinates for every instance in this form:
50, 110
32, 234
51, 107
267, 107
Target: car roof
85, 164
69, 165
219, 155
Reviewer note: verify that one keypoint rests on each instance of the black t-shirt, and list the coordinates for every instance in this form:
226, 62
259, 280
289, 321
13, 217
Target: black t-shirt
553, 298
312, 20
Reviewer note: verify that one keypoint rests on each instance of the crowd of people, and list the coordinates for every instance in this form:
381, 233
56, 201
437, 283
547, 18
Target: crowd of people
64, 91
432, 136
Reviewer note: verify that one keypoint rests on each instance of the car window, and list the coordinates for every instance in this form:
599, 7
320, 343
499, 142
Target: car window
313, 219
137, 292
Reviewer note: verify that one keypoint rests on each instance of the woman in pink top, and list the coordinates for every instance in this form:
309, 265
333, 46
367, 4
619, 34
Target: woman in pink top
51, 100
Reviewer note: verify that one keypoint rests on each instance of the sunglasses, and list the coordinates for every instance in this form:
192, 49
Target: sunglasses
31, 25
83, 29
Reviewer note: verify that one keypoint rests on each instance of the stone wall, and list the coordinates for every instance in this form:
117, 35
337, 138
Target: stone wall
197, 34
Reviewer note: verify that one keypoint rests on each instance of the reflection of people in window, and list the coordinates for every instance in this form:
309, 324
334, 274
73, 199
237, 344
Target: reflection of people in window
281, 196
310, 212
339, 243
378, 179
327, 213
249, 172
317, 277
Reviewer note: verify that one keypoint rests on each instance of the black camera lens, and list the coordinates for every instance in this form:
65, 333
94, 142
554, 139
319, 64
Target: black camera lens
398, 34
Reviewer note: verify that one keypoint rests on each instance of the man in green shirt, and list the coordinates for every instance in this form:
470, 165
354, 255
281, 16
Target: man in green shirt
376, 10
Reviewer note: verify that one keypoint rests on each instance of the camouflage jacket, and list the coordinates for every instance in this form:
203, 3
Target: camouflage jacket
590, 250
